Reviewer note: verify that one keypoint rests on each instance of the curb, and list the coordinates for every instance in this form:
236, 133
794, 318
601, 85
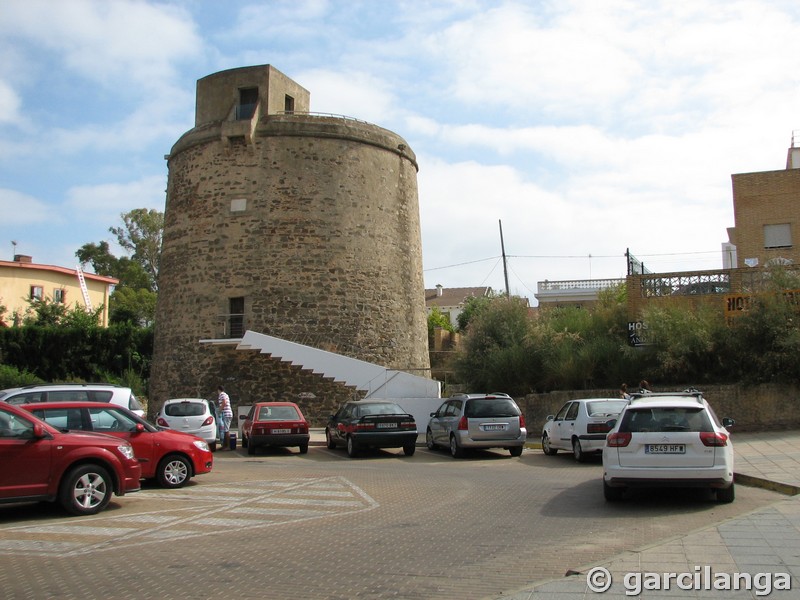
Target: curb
766, 484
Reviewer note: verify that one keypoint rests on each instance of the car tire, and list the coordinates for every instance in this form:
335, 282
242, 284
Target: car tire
304, 449
173, 471
409, 449
352, 449
612, 494
577, 450
726, 495
546, 447
429, 440
515, 450
456, 451
86, 490
251, 449
329, 440
212, 446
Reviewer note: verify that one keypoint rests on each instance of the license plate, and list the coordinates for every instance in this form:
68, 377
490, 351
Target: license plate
281, 431
493, 427
387, 425
665, 449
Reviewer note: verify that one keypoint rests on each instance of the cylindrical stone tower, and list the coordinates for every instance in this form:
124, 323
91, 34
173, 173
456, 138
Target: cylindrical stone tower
300, 226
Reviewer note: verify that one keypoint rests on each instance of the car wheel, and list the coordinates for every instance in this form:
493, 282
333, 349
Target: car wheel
212, 446
329, 440
546, 447
612, 494
726, 494
409, 449
455, 450
515, 450
352, 450
86, 490
173, 471
304, 449
577, 450
251, 449
429, 440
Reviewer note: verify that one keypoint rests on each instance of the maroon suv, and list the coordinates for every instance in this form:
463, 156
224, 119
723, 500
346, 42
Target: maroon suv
81, 471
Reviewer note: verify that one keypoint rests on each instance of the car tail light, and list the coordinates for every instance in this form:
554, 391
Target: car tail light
522, 421
161, 422
463, 424
303, 428
208, 421
712, 438
598, 428
618, 440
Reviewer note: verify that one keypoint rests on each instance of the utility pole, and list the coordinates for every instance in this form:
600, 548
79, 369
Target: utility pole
505, 266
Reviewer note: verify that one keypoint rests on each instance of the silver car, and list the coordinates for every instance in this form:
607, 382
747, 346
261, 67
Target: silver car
477, 421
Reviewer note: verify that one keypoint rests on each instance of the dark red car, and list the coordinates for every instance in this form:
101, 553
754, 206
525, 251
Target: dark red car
79, 470
275, 424
170, 457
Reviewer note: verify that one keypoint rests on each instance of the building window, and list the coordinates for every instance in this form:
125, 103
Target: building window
37, 292
60, 296
778, 236
248, 98
288, 104
236, 317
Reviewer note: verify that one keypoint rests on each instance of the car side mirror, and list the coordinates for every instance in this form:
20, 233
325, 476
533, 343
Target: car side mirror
433, 414
550, 417
139, 428
728, 422
38, 431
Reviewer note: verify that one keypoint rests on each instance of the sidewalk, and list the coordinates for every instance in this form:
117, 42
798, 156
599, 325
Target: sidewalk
766, 541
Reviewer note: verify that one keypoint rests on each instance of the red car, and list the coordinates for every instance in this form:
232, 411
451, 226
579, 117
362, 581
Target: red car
275, 424
79, 470
170, 457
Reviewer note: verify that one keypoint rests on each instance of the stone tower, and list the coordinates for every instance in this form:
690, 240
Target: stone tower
297, 225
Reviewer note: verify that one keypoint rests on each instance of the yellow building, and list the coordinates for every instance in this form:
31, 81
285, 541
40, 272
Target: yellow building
22, 280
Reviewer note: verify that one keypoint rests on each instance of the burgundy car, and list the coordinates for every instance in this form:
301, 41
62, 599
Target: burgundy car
170, 457
275, 424
79, 470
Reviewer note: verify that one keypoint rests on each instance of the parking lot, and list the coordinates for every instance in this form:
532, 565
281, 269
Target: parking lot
321, 525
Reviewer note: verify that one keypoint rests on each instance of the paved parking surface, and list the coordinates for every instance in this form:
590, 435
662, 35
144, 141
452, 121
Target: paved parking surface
321, 525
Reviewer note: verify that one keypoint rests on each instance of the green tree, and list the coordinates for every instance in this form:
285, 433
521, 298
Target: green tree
473, 306
141, 236
136, 306
46, 313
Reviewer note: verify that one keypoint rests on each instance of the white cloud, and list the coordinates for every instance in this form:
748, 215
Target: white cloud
18, 208
9, 103
353, 94
105, 203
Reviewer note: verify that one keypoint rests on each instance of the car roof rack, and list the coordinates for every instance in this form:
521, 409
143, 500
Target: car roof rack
72, 384
687, 393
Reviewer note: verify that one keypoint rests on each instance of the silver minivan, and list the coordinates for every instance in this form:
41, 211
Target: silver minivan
477, 421
74, 392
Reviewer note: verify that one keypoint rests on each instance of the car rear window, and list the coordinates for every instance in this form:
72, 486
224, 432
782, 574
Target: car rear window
277, 413
185, 409
380, 409
665, 419
26, 398
605, 408
491, 407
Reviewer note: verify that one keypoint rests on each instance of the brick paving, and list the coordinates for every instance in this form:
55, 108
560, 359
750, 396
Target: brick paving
282, 525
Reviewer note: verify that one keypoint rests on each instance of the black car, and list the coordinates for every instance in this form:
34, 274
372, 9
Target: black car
371, 424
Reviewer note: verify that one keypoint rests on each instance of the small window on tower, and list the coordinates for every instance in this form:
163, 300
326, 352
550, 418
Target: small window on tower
288, 104
248, 98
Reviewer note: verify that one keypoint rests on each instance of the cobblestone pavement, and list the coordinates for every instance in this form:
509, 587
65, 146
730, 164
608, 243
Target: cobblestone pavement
284, 525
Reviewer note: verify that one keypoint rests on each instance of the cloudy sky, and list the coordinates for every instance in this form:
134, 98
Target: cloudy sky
585, 127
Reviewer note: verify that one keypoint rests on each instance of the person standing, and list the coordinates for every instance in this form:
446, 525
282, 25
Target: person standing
226, 416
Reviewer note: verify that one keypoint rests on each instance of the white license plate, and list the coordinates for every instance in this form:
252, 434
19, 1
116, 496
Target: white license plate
387, 425
493, 427
665, 449
281, 431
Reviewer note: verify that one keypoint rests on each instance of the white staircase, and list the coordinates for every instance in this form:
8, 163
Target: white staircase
376, 381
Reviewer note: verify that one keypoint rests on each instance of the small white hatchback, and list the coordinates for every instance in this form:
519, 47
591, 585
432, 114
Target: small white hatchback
669, 440
189, 415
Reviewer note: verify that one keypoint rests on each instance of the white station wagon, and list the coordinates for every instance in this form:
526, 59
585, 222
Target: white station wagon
669, 440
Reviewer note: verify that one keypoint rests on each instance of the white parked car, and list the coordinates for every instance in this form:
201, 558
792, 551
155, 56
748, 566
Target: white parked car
189, 415
672, 440
580, 426
74, 392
